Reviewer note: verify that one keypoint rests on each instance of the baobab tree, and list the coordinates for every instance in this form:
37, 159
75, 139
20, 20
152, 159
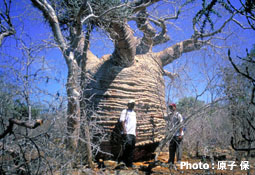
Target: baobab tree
131, 71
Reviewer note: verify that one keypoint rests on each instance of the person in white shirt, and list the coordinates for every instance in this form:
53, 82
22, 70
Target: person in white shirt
175, 145
128, 120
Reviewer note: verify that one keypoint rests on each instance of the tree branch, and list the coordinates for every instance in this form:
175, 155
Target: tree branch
6, 30
253, 95
51, 16
149, 33
239, 149
92, 15
240, 24
5, 34
170, 74
245, 138
78, 39
246, 75
162, 37
150, 36
125, 44
197, 34
237, 69
139, 5
251, 125
245, 10
170, 54
9, 128
220, 28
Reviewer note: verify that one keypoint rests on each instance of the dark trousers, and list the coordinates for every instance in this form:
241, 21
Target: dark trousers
128, 149
175, 147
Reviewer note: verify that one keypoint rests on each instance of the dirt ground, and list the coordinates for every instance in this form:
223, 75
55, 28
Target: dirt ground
191, 165
197, 166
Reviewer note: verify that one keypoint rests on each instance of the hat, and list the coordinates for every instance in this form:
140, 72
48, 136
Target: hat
172, 105
131, 101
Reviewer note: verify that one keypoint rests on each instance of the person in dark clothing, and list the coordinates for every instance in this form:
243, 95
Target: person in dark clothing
175, 145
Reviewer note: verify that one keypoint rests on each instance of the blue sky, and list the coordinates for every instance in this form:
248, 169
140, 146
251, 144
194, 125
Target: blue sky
193, 67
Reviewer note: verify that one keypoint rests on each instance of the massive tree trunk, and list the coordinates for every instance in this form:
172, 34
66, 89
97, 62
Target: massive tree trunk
113, 85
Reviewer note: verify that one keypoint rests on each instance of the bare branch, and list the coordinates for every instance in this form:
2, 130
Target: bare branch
9, 129
139, 5
240, 24
51, 16
162, 37
238, 70
253, 96
125, 44
170, 74
149, 33
5, 34
150, 37
239, 149
197, 34
246, 11
27, 124
78, 20
251, 125
249, 59
6, 27
92, 15
220, 29
245, 138
170, 54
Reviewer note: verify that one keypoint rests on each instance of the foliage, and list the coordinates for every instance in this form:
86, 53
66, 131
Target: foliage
11, 106
205, 129
6, 104
68, 10
27, 151
21, 110
188, 104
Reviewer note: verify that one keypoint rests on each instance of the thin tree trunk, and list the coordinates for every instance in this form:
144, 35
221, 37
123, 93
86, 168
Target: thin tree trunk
85, 129
73, 111
77, 111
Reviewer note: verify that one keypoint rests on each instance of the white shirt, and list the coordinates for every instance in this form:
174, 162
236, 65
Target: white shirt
129, 118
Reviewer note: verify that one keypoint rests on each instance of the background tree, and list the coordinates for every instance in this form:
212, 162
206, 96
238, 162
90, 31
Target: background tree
238, 79
239, 88
21, 105
241, 101
187, 103
14, 158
